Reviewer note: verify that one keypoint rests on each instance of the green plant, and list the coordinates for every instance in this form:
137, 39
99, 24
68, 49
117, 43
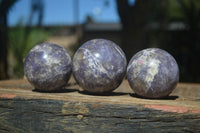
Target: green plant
21, 41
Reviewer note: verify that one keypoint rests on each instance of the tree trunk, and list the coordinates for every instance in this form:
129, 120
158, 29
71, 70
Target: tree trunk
5, 5
3, 47
133, 21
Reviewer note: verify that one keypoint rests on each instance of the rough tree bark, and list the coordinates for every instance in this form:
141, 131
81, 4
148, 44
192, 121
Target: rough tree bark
74, 111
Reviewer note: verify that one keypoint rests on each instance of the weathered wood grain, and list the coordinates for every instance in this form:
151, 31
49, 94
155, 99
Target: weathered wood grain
72, 110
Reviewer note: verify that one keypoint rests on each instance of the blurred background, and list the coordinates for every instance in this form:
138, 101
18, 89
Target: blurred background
173, 25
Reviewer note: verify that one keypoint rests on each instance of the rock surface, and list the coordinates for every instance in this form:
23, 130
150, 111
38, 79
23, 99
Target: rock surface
152, 73
99, 66
48, 67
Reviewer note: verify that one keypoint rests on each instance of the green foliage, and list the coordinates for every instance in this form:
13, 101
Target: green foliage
184, 43
20, 46
182, 9
173, 10
173, 25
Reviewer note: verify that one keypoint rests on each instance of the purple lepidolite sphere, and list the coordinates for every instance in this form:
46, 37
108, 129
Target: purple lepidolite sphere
152, 73
48, 67
99, 66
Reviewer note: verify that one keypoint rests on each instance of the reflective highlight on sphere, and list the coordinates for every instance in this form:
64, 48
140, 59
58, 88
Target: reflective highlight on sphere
153, 73
99, 66
48, 67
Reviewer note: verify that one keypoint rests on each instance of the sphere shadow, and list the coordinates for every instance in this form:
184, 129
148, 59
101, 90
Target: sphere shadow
62, 90
71, 84
163, 98
102, 94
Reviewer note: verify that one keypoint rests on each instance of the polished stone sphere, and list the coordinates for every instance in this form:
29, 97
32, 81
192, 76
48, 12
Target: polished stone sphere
48, 67
152, 73
99, 66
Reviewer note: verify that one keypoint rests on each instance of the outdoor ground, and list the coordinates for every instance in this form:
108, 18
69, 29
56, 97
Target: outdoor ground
66, 41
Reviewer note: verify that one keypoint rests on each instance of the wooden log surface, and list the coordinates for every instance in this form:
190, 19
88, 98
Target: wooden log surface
22, 109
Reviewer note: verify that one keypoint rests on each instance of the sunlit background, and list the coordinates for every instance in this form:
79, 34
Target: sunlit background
65, 12
173, 25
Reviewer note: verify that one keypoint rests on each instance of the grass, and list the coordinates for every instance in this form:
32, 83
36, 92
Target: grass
20, 42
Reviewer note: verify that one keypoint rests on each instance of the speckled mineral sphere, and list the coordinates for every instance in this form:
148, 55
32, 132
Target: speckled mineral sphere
99, 66
152, 73
48, 67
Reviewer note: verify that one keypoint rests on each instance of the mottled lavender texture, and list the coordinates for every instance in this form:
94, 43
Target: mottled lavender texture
99, 66
152, 73
48, 67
